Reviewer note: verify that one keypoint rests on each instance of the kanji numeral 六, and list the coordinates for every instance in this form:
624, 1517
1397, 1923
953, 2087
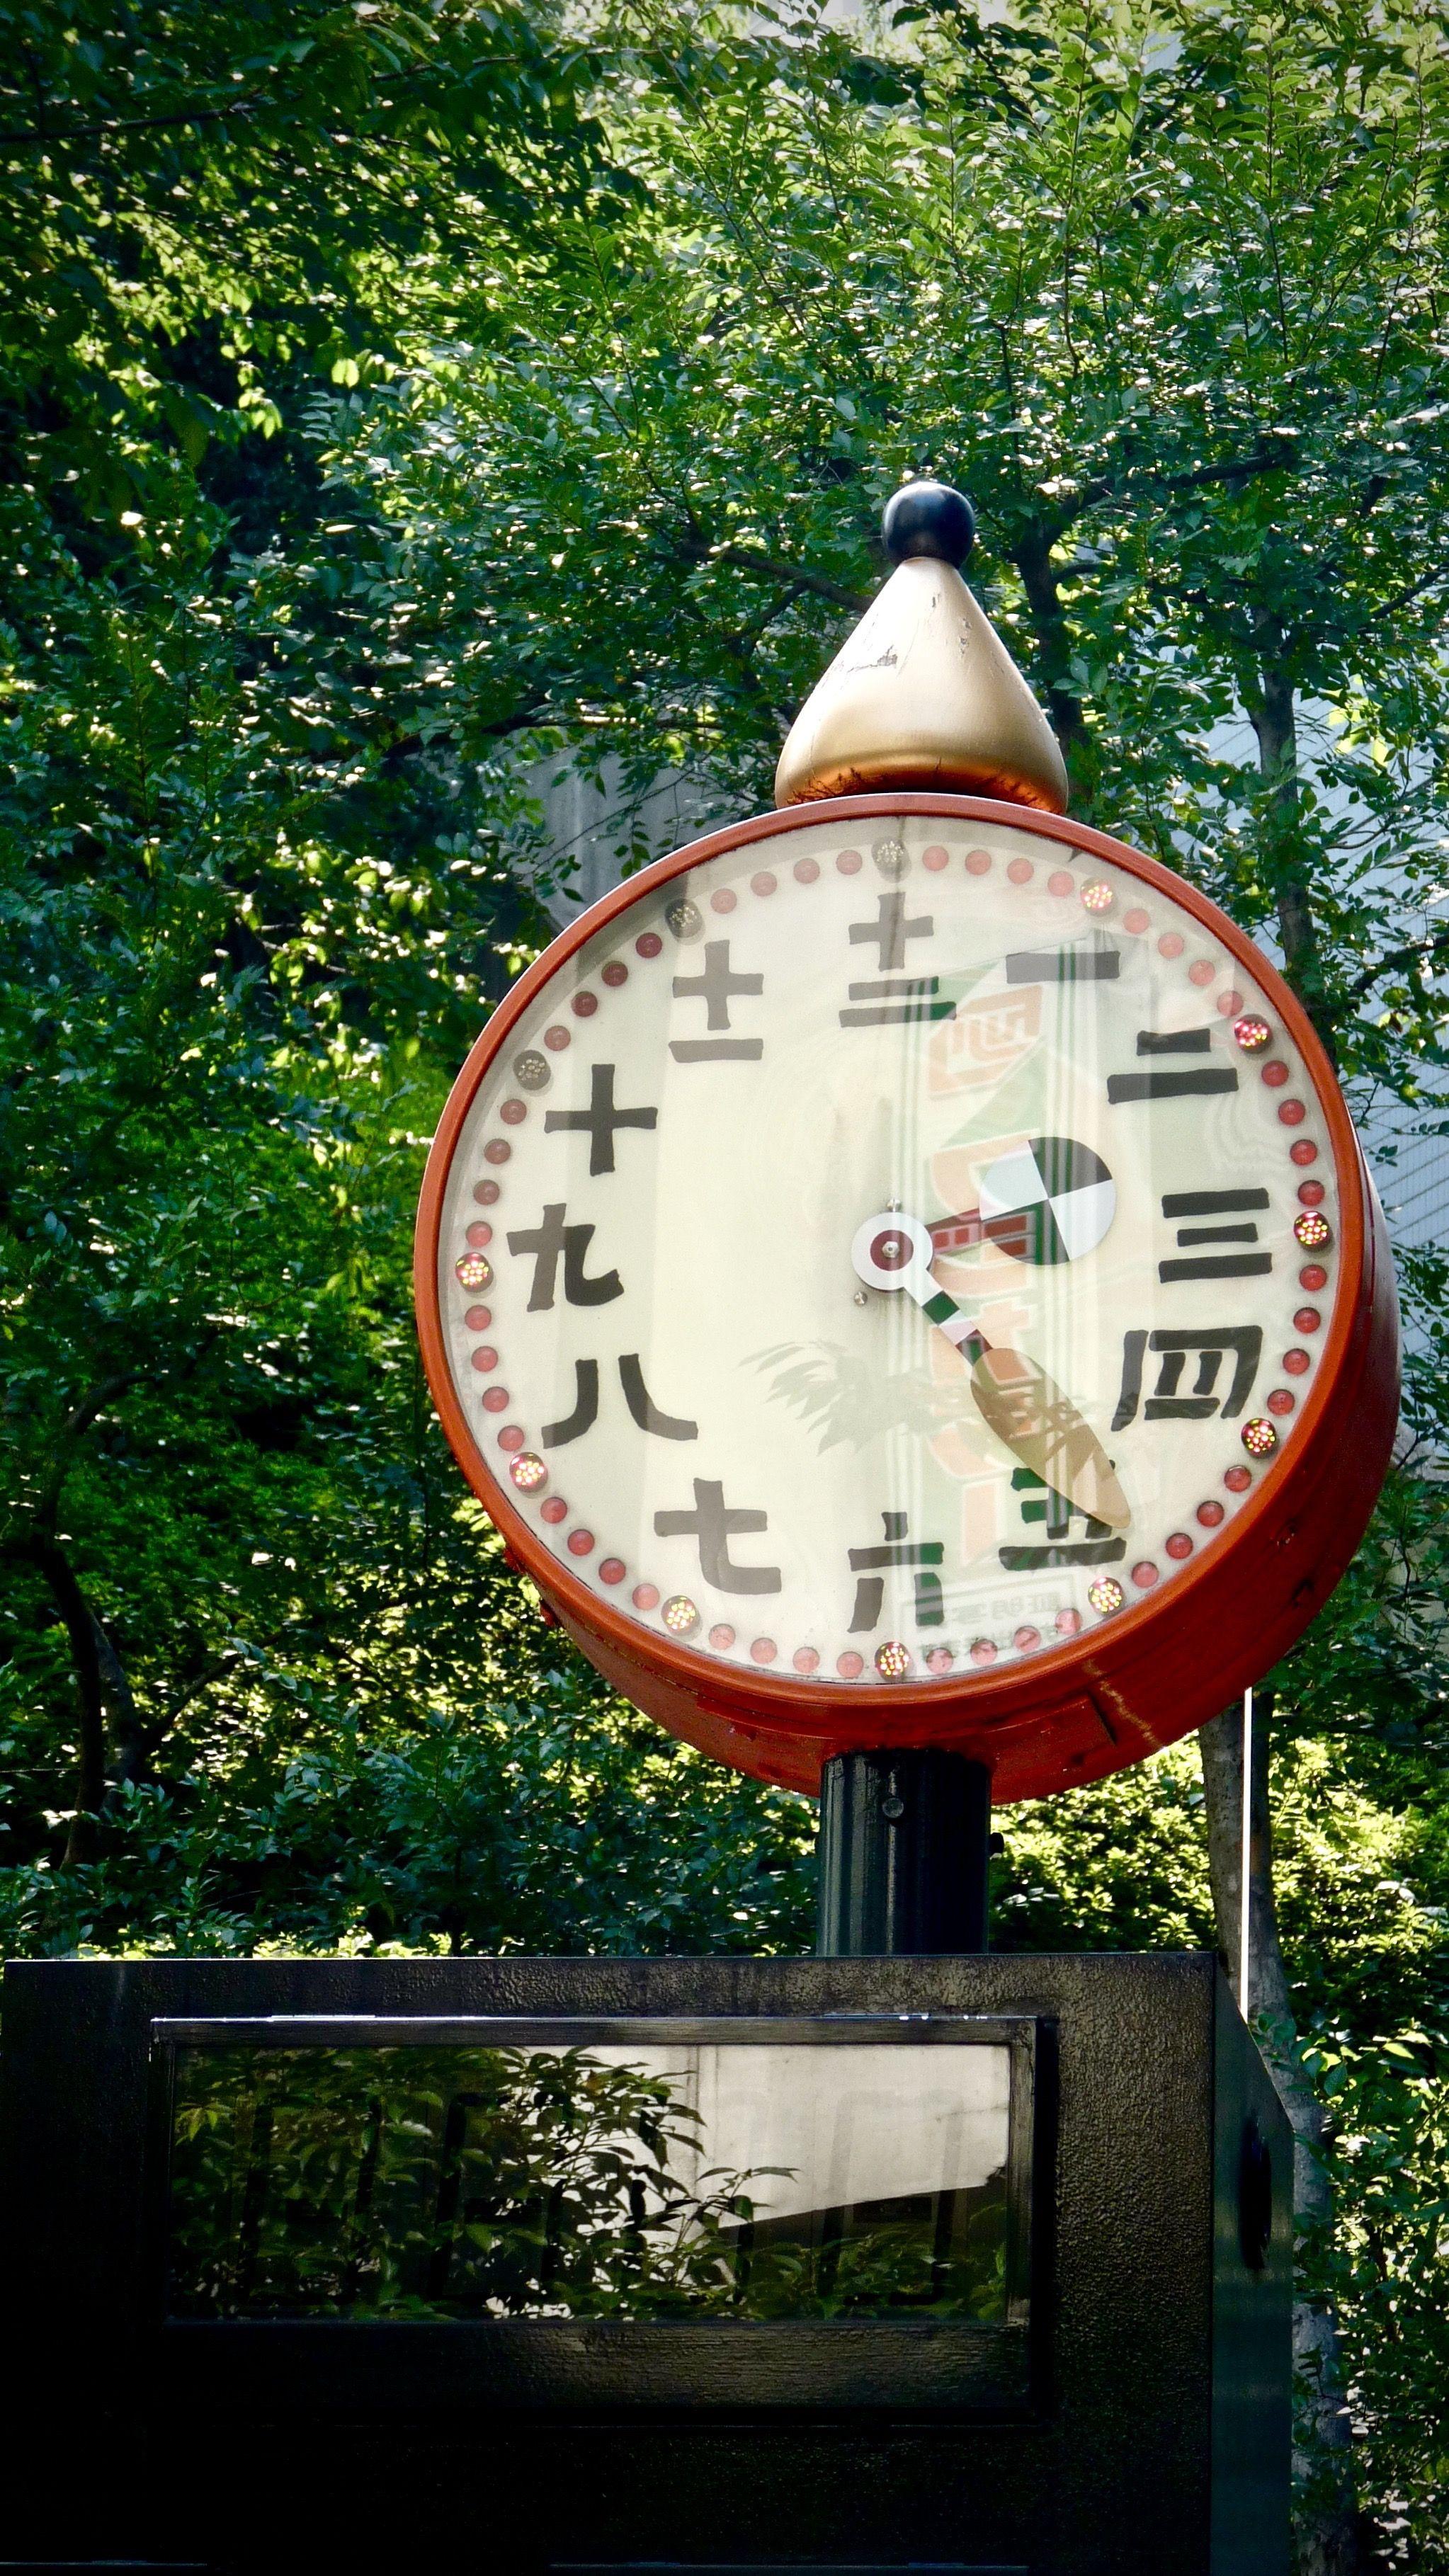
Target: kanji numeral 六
868, 1564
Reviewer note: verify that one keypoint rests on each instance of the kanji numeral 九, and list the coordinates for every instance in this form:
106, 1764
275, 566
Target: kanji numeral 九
1172, 1351
552, 1239
868, 1564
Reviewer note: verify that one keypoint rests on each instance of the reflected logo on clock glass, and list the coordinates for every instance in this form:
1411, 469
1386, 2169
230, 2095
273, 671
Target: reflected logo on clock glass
1053, 1200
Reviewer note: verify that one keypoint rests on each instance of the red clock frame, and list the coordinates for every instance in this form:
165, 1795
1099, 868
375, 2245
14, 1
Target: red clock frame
1147, 1675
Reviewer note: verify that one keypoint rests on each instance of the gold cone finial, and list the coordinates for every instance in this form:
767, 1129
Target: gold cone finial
924, 693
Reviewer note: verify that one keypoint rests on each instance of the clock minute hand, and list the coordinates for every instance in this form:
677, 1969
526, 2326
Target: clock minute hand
1015, 1398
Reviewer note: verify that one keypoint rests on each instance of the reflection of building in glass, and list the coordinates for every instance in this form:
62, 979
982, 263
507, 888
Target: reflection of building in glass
876, 2176
829, 2128
651, 2180
595, 832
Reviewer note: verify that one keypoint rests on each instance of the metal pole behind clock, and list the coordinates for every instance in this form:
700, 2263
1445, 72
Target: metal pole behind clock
904, 1854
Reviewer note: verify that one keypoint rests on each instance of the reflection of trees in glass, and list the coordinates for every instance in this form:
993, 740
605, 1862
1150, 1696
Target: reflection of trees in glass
848, 1401
935, 2254
518, 2183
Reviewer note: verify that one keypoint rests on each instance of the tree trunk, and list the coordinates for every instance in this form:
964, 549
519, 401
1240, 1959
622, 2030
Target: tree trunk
1274, 718
133, 1742
1326, 2523
52, 1562
101, 1679
1033, 560
102, 1685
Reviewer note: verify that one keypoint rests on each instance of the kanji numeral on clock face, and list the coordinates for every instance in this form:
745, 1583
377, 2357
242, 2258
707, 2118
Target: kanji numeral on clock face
643, 1409
1172, 1349
889, 932
1047, 1396
717, 987
1170, 1083
714, 1524
923, 1555
663, 1426
1215, 1265
1096, 1546
1097, 961
600, 1120
895, 997
547, 1241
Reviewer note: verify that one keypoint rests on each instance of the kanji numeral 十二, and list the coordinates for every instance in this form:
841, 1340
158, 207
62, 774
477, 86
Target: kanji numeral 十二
716, 988
893, 998
897, 1550
1172, 1350
600, 1120
714, 1524
551, 1239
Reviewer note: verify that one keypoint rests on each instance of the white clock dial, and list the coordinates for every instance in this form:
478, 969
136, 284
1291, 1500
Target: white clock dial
752, 1413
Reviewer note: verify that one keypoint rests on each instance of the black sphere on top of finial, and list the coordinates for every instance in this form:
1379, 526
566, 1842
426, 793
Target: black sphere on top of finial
928, 519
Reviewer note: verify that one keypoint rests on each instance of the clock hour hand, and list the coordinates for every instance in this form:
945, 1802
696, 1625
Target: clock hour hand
1015, 1398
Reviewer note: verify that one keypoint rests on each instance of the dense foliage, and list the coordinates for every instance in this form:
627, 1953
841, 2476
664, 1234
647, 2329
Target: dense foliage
458, 2182
395, 401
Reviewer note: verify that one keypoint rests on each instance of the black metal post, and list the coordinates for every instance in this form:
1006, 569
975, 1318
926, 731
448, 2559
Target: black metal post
904, 1854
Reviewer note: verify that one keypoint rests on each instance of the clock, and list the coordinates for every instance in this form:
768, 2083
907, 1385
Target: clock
900, 1271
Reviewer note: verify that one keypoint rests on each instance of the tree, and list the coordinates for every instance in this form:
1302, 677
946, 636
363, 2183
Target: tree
1162, 288
253, 905
397, 402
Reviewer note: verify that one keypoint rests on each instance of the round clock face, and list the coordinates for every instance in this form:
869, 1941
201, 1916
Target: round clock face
887, 1254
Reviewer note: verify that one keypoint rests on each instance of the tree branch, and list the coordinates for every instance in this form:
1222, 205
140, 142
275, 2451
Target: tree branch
77, 1423
754, 559
1272, 712
135, 1741
1269, 462
129, 124
1403, 960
